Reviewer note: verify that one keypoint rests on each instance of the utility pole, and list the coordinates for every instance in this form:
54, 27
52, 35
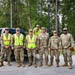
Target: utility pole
56, 15
48, 2
11, 13
40, 1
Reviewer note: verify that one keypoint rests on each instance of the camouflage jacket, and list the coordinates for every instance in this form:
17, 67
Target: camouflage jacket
54, 42
43, 40
67, 40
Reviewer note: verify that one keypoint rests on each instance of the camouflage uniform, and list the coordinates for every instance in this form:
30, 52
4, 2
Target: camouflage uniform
54, 45
1, 59
67, 41
4, 50
43, 46
19, 50
31, 52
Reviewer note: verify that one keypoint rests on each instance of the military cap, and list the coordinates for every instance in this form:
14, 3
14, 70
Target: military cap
43, 28
6, 28
30, 30
64, 28
17, 28
54, 31
37, 26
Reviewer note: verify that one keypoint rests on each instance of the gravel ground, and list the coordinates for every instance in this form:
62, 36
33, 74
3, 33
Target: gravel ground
14, 70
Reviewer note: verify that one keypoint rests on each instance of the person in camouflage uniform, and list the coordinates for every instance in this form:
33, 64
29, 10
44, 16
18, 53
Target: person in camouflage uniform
67, 42
43, 45
54, 47
18, 45
6, 46
31, 45
37, 30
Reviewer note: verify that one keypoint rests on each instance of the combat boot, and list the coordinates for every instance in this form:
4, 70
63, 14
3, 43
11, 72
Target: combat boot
1, 64
40, 64
9, 64
64, 65
50, 64
18, 65
30, 64
70, 66
47, 64
57, 64
23, 65
35, 65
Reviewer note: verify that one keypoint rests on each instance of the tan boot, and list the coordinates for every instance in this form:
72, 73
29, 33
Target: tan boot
18, 64
30, 64
70, 66
57, 64
35, 65
47, 64
50, 64
40, 64
23, 65
9, 64
1, 64
64, 65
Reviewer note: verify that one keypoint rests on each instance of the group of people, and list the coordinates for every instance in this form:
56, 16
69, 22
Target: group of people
37, 40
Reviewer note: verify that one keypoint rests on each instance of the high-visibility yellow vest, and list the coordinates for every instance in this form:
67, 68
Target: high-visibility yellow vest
7, 40
31, 42
18, 41
37, 32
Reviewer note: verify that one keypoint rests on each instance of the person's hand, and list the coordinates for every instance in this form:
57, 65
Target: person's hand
6, 47
49, 49
12, 48
24, 47
59, 50
37, 48
27, 49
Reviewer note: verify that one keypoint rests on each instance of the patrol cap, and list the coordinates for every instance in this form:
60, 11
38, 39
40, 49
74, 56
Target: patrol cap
17, 28
6, 28
30, 30
54, 31
43, 28
37, 25
64, 29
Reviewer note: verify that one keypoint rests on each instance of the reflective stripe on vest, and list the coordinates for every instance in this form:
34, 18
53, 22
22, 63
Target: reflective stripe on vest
18, 41
31, 42
7, 40
37, 32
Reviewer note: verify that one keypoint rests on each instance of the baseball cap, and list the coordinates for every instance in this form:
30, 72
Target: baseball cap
64, 28
30, 30
17, 28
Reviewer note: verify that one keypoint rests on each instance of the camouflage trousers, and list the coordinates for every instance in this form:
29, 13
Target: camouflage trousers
67, 54
19, 54
1, 57
31, 52
7, 52
43, 51
55, 53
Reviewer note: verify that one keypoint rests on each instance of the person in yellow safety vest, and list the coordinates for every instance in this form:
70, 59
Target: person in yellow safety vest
6, 46
18, 43
37, 30
31, 45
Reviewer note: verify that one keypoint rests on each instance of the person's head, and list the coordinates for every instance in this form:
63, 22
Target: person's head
6, 30
54, 33
37, 27
43, 29
65, 30
30, 31
17, 30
